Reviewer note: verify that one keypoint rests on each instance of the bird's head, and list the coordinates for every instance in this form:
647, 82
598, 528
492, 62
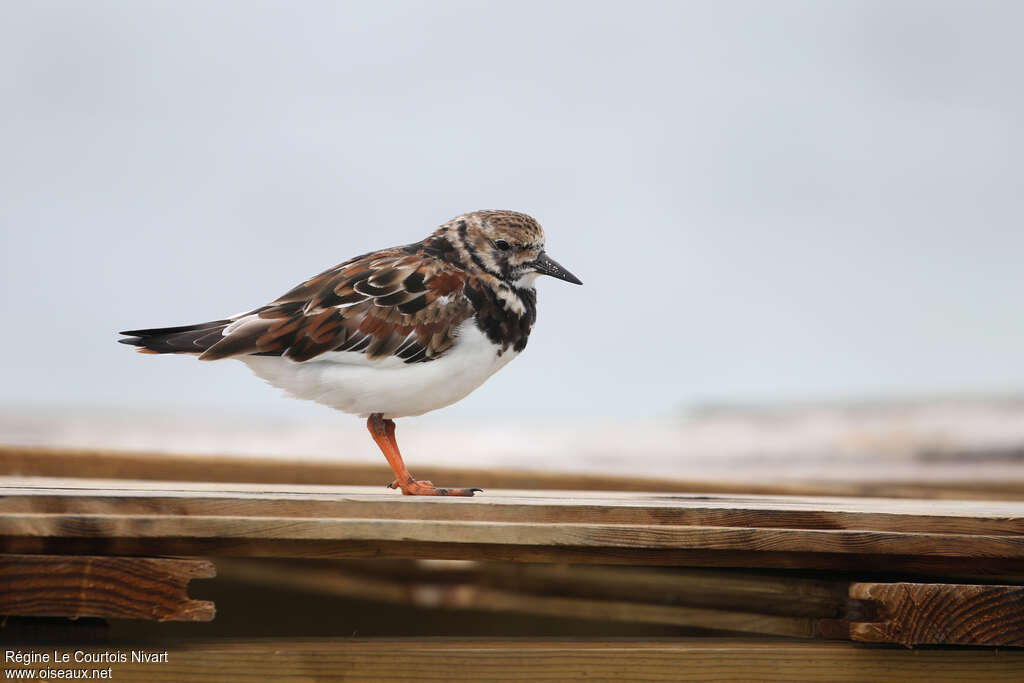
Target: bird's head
505, 244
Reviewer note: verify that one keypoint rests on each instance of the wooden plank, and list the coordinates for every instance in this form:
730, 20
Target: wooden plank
739, 591
422, 592
284, 548
146, 465
41, 495
745, 602
606, 528
751, 592
572, 535
108, 587
926, 614
550, 660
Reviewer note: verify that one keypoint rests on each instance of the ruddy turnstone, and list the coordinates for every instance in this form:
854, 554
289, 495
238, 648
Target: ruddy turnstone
392, 333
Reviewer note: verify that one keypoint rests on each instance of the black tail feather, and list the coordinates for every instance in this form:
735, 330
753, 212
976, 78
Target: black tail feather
183, 339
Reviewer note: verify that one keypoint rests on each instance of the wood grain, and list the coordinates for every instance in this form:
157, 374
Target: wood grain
745, 602
471, 593
48, 495
283, 548
927, 614
751, 592
109, 587
634, 528
577, 535
557, 660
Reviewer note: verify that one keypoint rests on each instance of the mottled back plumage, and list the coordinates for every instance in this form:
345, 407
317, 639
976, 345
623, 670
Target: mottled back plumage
406, 302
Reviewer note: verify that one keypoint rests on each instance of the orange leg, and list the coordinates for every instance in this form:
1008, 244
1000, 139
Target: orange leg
383, 433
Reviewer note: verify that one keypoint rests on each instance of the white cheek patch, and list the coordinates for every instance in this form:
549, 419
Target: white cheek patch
527, 281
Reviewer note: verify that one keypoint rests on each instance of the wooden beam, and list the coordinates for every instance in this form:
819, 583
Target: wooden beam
425, 593
745, 602
85, 496
929, 614
878, 534
108, 587
571, 535
745, 591
549, 659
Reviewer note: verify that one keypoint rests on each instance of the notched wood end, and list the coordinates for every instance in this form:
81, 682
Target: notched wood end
912, 614
150, 588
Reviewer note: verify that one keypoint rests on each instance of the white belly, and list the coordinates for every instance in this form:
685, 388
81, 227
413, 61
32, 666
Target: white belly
351, 383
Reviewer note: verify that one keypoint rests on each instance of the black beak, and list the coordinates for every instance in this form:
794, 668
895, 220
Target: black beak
545, 265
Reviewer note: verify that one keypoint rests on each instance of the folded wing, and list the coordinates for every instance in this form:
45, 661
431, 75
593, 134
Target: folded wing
398, 303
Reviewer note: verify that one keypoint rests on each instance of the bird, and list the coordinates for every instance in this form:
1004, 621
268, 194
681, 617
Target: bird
392, 333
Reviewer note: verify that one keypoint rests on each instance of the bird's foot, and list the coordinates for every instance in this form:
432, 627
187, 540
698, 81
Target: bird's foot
426, 488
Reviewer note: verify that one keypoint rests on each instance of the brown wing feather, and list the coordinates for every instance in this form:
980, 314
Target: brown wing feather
395, 302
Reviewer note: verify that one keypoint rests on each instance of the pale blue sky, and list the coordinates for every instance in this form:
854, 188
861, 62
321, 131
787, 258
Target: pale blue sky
766, 200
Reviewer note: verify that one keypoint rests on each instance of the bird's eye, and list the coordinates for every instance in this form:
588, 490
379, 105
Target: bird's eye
503, 245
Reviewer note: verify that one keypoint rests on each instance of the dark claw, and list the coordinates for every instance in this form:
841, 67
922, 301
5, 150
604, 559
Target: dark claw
477, 490
390, 485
